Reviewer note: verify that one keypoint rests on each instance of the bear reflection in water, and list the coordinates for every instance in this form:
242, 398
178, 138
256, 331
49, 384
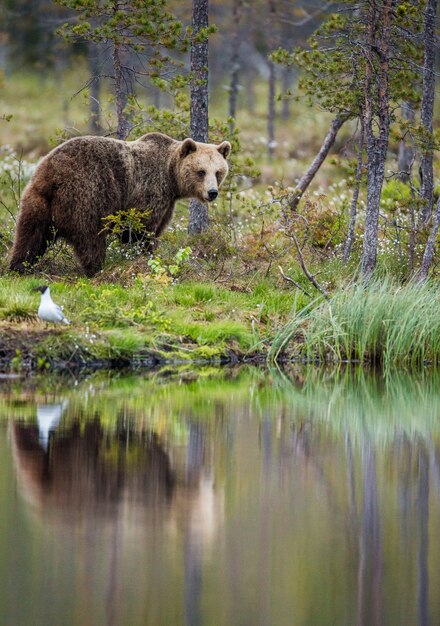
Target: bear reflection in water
84, 469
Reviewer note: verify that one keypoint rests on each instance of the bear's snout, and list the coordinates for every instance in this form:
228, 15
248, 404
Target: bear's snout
212, 194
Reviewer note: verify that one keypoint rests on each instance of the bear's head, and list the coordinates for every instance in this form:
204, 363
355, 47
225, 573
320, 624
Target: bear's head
201, 169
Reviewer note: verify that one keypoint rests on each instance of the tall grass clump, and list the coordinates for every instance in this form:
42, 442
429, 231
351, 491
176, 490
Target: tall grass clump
380, 323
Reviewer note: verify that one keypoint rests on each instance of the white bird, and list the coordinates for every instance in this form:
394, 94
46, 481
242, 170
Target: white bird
48, 416
48, 311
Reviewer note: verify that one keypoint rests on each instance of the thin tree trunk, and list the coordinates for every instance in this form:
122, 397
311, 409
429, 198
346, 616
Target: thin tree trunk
354, 200
235, 62
271, 112
95, 88
318, 160
377, 147
428, 255
198, 212
126, 86
121, 131
427, 109
405, 156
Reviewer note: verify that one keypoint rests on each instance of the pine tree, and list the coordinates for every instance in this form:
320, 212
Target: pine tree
142, 29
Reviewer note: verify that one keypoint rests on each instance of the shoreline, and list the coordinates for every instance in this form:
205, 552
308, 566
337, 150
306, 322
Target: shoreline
29, 350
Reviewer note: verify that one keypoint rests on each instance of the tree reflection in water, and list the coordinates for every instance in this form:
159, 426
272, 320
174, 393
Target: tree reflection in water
266, 504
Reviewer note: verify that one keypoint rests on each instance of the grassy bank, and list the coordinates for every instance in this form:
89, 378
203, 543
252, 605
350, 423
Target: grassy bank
143, 323
147, 323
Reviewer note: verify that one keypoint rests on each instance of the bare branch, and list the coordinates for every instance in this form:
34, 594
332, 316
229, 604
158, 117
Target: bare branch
290, 280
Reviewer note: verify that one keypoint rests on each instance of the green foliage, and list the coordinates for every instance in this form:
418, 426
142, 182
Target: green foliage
17, 362
14, 174
396, 195
164, 273
333, 64
131, 220
137, 25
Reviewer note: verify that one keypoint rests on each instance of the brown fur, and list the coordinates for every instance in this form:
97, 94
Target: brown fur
88, 178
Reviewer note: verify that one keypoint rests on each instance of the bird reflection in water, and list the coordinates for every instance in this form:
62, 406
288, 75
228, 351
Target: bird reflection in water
114, 488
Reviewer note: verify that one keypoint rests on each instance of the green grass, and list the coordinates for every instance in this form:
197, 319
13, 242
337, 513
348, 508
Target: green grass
177, 321
382, 323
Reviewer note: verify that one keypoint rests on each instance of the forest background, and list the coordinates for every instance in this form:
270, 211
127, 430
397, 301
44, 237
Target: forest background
323, 242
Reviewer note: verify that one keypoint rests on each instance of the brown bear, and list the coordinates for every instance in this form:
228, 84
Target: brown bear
88, 178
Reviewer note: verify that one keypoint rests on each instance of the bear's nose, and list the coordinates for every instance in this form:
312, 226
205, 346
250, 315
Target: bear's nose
212, 194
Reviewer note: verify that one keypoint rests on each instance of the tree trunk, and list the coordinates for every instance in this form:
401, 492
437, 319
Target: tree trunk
354, 200
377, 147
95, 88
235, 62
428, 255
198, 212
426, 111
405, 157
120, 99
272, 78
318, 160
271, 112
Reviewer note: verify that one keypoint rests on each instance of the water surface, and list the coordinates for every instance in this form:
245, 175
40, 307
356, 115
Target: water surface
232, 498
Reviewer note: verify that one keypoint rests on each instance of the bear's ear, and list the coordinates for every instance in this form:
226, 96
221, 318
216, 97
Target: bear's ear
224, 149
188, 146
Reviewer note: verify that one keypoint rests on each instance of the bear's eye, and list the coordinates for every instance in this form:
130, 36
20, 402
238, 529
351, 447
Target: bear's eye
201, 173
218, 175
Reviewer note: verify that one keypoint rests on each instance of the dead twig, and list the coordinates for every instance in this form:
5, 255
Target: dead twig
310, 276
290, 280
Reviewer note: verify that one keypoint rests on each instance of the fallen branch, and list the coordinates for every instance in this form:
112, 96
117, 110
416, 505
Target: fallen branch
290, 280
318, 160
310, 276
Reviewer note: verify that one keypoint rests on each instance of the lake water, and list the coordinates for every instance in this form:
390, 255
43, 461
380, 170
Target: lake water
239, 497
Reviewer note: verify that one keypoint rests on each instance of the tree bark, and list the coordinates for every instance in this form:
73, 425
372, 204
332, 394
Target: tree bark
198, 212
120, 100
354, 200
427, 109
377, 147
95, 89
317, 161
271, 112
428, 255
405, 156
272, 78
